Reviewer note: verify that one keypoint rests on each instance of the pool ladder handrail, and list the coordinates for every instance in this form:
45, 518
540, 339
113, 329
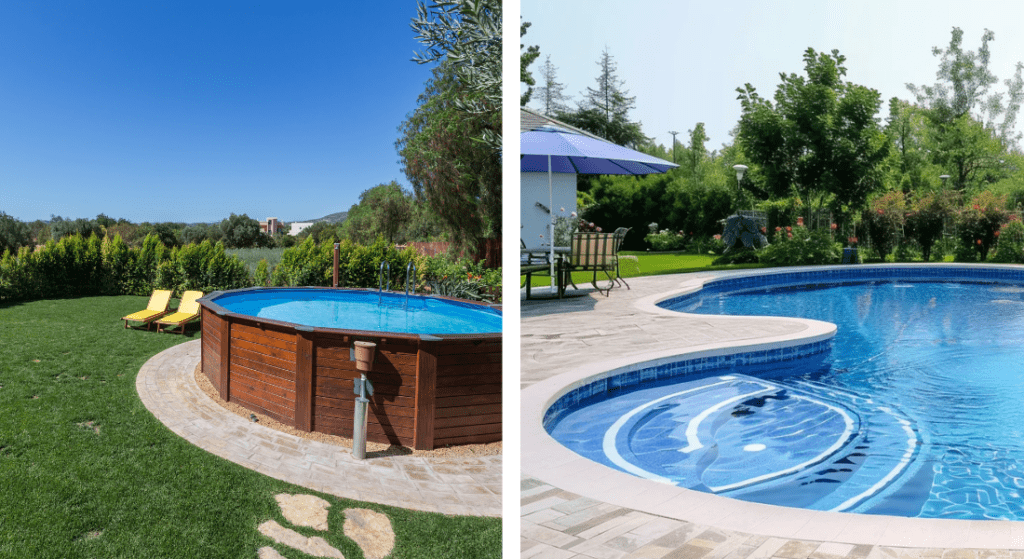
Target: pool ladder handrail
411, 266
380, 281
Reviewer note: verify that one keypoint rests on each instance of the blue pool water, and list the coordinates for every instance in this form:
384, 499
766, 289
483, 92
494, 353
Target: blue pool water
916, 411
360, 310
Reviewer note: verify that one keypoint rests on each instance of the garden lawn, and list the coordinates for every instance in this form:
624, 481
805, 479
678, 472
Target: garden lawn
651, 264
87, 471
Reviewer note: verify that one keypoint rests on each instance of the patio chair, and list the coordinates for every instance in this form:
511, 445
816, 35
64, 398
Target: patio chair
156, 308
188, 310
593, 252
534, 262
620, 233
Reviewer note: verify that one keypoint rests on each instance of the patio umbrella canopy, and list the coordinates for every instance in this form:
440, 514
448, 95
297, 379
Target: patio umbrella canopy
559, 150
575, 153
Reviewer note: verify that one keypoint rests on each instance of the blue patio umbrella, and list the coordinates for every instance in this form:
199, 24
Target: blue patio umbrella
559, 150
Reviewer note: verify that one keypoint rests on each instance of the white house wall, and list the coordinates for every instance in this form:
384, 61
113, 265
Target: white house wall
533, 188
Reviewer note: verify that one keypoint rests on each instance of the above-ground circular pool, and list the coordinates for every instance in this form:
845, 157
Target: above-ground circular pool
288, 353
912, 409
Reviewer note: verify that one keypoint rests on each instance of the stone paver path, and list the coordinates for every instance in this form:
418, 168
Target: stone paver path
464, 486
581, 333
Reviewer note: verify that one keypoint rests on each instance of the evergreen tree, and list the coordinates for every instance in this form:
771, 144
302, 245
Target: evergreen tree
605, 109
609, 96
551, 93
525, 59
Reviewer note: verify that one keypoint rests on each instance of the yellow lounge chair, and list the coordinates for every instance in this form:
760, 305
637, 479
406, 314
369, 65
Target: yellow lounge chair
156, 308
188, 310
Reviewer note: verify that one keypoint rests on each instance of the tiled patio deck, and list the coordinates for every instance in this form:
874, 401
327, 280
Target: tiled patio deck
574, 508
465, 486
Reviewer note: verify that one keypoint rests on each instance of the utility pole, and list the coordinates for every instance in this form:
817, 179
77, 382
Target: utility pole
673, 146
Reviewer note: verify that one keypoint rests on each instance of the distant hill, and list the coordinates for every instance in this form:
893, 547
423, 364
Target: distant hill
333, 218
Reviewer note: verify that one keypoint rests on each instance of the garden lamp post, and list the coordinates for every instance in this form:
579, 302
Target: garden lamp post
944, 179
740, 169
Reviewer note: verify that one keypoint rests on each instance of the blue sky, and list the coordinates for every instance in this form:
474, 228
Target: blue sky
190, 111
684, 59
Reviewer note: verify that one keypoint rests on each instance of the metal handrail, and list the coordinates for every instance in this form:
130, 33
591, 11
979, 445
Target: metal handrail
411, 266
380, 281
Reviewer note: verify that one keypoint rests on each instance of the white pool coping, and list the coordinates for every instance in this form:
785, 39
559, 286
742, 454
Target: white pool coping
547, 460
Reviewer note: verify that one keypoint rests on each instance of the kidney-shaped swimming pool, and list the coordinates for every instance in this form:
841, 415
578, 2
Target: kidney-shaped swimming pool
913, 409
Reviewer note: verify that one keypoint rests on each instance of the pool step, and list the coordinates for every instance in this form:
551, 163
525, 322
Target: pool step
872, 465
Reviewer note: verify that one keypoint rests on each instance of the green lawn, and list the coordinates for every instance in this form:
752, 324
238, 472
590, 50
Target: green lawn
652, 264
87, 471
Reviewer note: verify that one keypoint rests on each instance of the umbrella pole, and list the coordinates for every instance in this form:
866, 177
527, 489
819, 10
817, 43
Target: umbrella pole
551, 225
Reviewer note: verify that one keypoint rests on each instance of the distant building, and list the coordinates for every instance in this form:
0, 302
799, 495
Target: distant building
270, 226
298, 227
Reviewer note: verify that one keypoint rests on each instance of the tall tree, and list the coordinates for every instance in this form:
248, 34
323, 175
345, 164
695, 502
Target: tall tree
14, 234
457, 177
609, 96
551, 94
907, 128
383, 210
971, 126
466, 33
604, 110
525, 59
964, 85
240, 231
696, 154
819, 139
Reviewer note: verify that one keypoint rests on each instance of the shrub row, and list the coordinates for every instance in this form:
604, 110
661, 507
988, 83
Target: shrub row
75, 266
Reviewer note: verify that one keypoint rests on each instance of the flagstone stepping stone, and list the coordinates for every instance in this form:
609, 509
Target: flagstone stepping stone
269, 553
371, 530
304, 510
315, 546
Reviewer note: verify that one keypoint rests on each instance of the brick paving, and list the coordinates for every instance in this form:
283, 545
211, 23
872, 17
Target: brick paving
468, 486
570, 509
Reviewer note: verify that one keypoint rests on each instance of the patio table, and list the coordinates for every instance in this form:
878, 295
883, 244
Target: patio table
561, 270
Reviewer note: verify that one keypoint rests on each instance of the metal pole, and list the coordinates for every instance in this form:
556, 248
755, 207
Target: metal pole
337, 250
362, 406
551, 224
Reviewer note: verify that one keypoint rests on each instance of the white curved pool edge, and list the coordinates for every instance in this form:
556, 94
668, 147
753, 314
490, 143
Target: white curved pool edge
547, 460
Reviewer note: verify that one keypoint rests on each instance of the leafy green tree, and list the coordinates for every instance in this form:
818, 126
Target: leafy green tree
104, 221
14, 234
970, 153
979, 220
61, 227
696, 153
240, 231
457, 177
908, 128
467, 33
199, 232
321, 231
818, 139
383, 210
166, 232
617, 131
928, 214
964, 85
129, 232
40, 231
525, 59
551, 93
885, 218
